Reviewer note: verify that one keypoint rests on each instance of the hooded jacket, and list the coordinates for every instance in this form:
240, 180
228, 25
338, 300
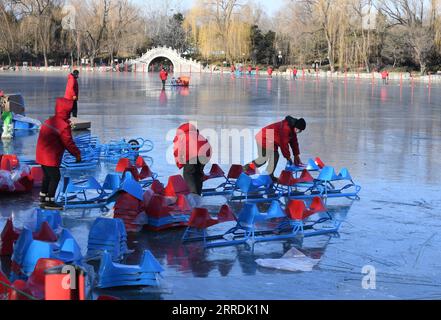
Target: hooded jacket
190, 146
71, 88
56, 136
163, 75
277, 135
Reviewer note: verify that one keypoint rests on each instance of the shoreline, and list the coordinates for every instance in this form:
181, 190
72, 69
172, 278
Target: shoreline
394, 76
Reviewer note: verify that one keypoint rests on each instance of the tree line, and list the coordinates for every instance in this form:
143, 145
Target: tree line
335, 34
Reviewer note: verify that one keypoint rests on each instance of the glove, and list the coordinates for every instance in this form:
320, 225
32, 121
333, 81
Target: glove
78, 158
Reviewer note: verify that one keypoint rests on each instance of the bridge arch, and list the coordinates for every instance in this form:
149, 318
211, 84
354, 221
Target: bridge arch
180, 64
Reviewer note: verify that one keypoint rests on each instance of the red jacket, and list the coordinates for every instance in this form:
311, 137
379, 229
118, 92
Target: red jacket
279, 135
71, 88
190, 145
163, 75
385, 74
270, 71
295, 71
56, 136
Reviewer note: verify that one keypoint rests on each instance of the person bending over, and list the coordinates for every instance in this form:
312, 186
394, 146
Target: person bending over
55, 137
192, 152
281, 135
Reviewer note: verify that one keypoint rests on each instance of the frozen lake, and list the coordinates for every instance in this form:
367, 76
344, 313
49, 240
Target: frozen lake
389, 137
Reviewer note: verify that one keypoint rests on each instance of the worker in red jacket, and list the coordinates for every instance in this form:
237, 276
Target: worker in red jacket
281, 135
163, 75
72, 91
385, 76
294, 73
55, 137
270, 71
192, 152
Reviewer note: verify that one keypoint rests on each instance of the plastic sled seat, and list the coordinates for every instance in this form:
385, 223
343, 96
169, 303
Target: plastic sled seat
45, 233
146, 173
146, 176
286, 179
201, 219
36, 281
140, 162
112, 274
182, 204
21, 246
311, 165
77, 194
7, 238
328, 178
254, 190
235, 171
176, 185
108, 234
53, 218
69, 252
298, 213
157, 187
133, 172
36, 251
148, 195
247, 184
275, 211
328, 174
226, 214
112, 183
24, 184
9, 162
106, 230
319, 163
226, 188
198, 224
215, 172
130, 186
242, 232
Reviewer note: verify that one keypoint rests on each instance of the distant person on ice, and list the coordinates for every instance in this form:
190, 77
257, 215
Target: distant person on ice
385, 76
270, 72
192, 152
294, 73
72, 91
163, 75
281, 135
55, 137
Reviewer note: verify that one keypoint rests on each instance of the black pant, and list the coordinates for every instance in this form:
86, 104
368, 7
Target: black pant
75, 109
270, 156
163, 83
51, 178
194, 176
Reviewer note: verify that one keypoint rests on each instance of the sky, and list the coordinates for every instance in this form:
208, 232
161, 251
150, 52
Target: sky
271, 5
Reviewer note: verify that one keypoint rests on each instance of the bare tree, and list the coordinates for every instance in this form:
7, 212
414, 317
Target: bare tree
412, 15
9, 25
40, 14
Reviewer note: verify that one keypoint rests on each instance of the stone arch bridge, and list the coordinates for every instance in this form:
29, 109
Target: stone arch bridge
180, 64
